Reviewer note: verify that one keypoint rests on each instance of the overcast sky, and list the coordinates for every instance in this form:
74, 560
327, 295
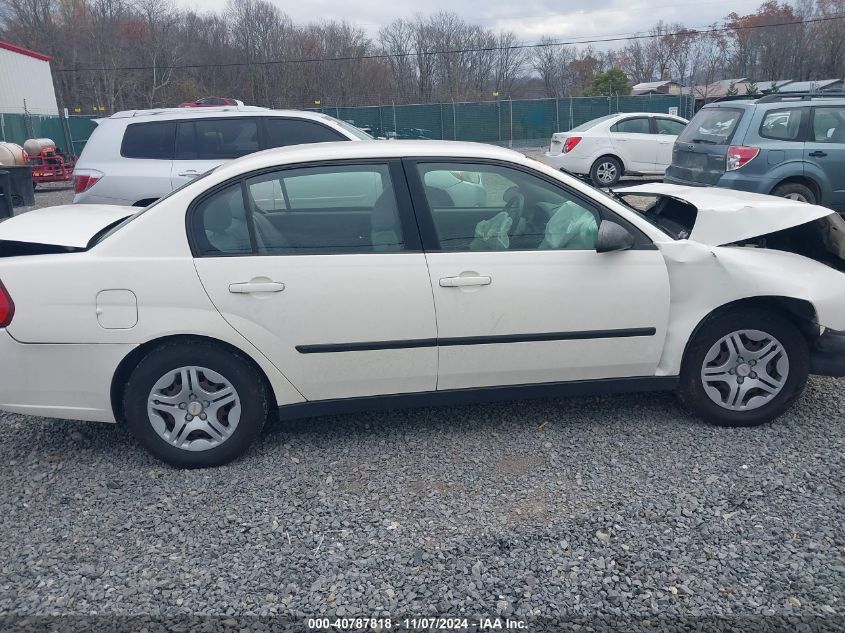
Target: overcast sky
530, 19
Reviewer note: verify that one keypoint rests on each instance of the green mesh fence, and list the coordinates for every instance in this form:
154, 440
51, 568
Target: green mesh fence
514, 123
69, 135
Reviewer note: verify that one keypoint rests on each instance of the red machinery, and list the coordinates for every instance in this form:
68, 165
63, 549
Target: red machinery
48, 162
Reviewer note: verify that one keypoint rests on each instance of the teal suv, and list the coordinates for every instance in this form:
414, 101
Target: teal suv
789, 145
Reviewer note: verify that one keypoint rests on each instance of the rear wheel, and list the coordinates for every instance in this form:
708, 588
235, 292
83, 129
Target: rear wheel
606, 171
195, 405
744, 368
795, 191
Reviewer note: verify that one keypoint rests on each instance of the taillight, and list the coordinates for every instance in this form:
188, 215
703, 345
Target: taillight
739, 156
83, 182
570, 143
7, 306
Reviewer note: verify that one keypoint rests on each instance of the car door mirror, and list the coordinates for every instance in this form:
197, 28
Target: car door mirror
613, 237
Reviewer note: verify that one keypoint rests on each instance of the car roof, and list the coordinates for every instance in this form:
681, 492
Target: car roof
166, 114
343, 150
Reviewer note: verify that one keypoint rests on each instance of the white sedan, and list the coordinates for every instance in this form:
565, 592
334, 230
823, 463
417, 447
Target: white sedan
331, 278
605, 149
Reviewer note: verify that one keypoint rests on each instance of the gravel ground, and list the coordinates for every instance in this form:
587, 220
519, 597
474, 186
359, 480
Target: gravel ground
581, 508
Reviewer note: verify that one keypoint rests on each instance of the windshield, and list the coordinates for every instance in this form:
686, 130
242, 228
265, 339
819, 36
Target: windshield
357, 132
114, 229
712, 126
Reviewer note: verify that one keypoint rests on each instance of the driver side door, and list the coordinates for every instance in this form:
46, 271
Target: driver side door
521, 295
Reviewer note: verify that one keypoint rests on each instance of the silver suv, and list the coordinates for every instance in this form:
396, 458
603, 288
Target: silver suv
135, 157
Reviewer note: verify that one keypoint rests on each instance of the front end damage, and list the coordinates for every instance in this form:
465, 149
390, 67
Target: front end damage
730, 246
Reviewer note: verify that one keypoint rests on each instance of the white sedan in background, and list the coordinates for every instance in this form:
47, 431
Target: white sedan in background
605, 149
336, 277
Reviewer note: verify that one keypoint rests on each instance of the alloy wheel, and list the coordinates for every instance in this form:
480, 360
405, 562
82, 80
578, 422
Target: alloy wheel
795, 196
606, 172
194, 408
745, 370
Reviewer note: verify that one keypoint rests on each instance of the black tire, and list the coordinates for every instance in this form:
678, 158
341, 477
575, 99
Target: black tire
606, 162
238, 371
691, 388
791, 189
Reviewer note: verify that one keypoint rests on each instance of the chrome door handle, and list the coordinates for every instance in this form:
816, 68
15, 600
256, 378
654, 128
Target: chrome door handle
191, 173
460, 282
254, 287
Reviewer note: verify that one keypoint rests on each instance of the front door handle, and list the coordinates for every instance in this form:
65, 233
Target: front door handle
252, 287
460, 282
191, 173
817, 154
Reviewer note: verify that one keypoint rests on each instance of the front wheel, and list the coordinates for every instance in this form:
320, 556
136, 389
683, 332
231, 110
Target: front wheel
744, 368
606, 171
195, 405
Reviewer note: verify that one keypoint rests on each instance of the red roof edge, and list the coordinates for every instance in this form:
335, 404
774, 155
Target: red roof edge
25, 51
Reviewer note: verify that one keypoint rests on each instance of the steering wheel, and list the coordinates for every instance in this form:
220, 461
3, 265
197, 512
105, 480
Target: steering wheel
515, 208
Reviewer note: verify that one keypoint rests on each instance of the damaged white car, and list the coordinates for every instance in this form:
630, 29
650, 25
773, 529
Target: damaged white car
337, 277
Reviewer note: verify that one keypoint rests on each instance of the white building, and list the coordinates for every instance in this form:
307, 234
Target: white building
25, 77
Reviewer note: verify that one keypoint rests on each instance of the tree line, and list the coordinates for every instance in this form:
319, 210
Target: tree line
121, 54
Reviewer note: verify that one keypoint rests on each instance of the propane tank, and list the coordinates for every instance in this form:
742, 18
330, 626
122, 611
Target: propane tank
12, 154
34, 146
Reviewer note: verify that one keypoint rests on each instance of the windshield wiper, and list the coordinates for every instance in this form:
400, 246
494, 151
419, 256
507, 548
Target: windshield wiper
703, 141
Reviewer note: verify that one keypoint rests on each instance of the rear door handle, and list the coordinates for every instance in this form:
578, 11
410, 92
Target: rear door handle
460, 282
251, 287
817, 154
190, 173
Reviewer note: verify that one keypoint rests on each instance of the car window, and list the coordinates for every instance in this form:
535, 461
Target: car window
632, 126
281, 132
711, 126
590, 124
224, 138
221, 224
513, 210
320, 210
829, 124
669, 126
149, 140
782, 124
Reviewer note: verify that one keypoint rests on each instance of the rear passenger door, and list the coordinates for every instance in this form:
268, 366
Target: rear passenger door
824, 153
203, 144
636, 144
667, 133
325, 275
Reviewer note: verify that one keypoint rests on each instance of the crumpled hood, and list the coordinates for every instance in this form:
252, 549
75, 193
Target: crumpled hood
69, 225
726, 216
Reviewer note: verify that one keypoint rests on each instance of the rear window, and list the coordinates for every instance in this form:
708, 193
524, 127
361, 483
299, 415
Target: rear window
714, 126
590, 124
149, 140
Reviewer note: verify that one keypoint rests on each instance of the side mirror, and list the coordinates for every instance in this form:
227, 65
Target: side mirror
613, 237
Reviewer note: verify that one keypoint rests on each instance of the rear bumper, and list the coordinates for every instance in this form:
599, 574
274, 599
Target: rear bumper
827, 357
72, 382
567, 162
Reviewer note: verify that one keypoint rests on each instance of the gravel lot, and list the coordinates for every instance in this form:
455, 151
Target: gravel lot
560, 509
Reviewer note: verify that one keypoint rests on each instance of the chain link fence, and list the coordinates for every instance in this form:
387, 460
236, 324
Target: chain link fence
513, 123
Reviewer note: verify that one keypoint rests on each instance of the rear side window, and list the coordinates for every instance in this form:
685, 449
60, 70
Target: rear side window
217, 139
783, 124
149, 140
282, 132
713, 126
222, 224
632, 126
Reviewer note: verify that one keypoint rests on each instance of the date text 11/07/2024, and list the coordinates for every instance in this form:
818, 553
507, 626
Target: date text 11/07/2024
416, 624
